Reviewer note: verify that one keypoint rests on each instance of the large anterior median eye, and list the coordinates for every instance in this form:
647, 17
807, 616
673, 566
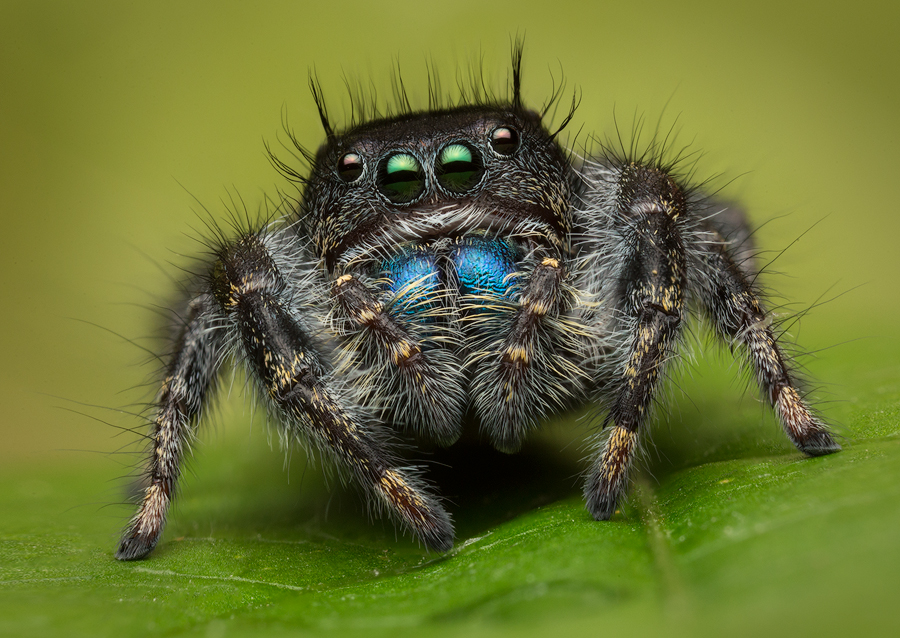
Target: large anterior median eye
401, 178
459, 167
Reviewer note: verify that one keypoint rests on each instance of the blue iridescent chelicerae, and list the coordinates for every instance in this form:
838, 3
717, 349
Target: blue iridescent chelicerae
481, 266
412, 276
484, 266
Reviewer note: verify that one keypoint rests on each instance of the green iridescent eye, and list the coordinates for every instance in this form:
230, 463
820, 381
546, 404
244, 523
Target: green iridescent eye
401, 178
459, 167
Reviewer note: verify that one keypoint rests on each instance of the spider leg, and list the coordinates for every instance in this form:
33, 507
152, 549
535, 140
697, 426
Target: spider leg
286, 362
524, 359
184, 391
424, 382
728, 225
738, 315
648, 295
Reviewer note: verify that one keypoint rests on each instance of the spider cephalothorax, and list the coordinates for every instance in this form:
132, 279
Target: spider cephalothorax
455, 263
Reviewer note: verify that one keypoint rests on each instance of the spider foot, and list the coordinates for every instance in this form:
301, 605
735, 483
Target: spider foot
136, 547
819, 444
609, 477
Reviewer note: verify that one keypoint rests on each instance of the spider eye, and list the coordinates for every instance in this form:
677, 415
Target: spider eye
505, 140
350, 167
401, 178
459, 167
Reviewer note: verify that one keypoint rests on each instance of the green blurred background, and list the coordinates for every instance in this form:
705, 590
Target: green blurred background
118, 121
116, 116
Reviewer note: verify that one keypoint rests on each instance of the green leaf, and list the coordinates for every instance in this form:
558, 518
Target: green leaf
753, 538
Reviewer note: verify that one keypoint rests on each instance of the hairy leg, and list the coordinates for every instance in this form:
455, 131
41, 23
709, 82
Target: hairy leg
291, 372
525, 354
738, 315
421, 381
184, 391
641, 227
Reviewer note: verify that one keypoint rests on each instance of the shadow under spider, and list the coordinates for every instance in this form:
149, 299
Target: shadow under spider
482, 487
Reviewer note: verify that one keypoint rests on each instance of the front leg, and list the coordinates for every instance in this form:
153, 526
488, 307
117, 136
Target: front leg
524, 354
650, 308
421, 381
286, 363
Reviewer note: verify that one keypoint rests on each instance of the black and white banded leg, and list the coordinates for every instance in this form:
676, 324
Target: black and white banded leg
253, 300
650, 308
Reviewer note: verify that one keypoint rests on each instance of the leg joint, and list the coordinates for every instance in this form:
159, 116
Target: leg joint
242, 268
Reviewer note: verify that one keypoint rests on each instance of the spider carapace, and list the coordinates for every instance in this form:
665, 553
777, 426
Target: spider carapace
455, 264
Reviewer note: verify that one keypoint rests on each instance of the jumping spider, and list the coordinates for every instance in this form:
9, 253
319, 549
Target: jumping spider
459, 263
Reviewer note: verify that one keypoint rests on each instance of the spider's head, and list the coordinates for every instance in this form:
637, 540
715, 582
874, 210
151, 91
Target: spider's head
441, 173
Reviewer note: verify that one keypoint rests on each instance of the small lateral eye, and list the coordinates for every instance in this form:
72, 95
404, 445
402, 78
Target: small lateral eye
350, 167
459, 167
505, 140
401, 178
